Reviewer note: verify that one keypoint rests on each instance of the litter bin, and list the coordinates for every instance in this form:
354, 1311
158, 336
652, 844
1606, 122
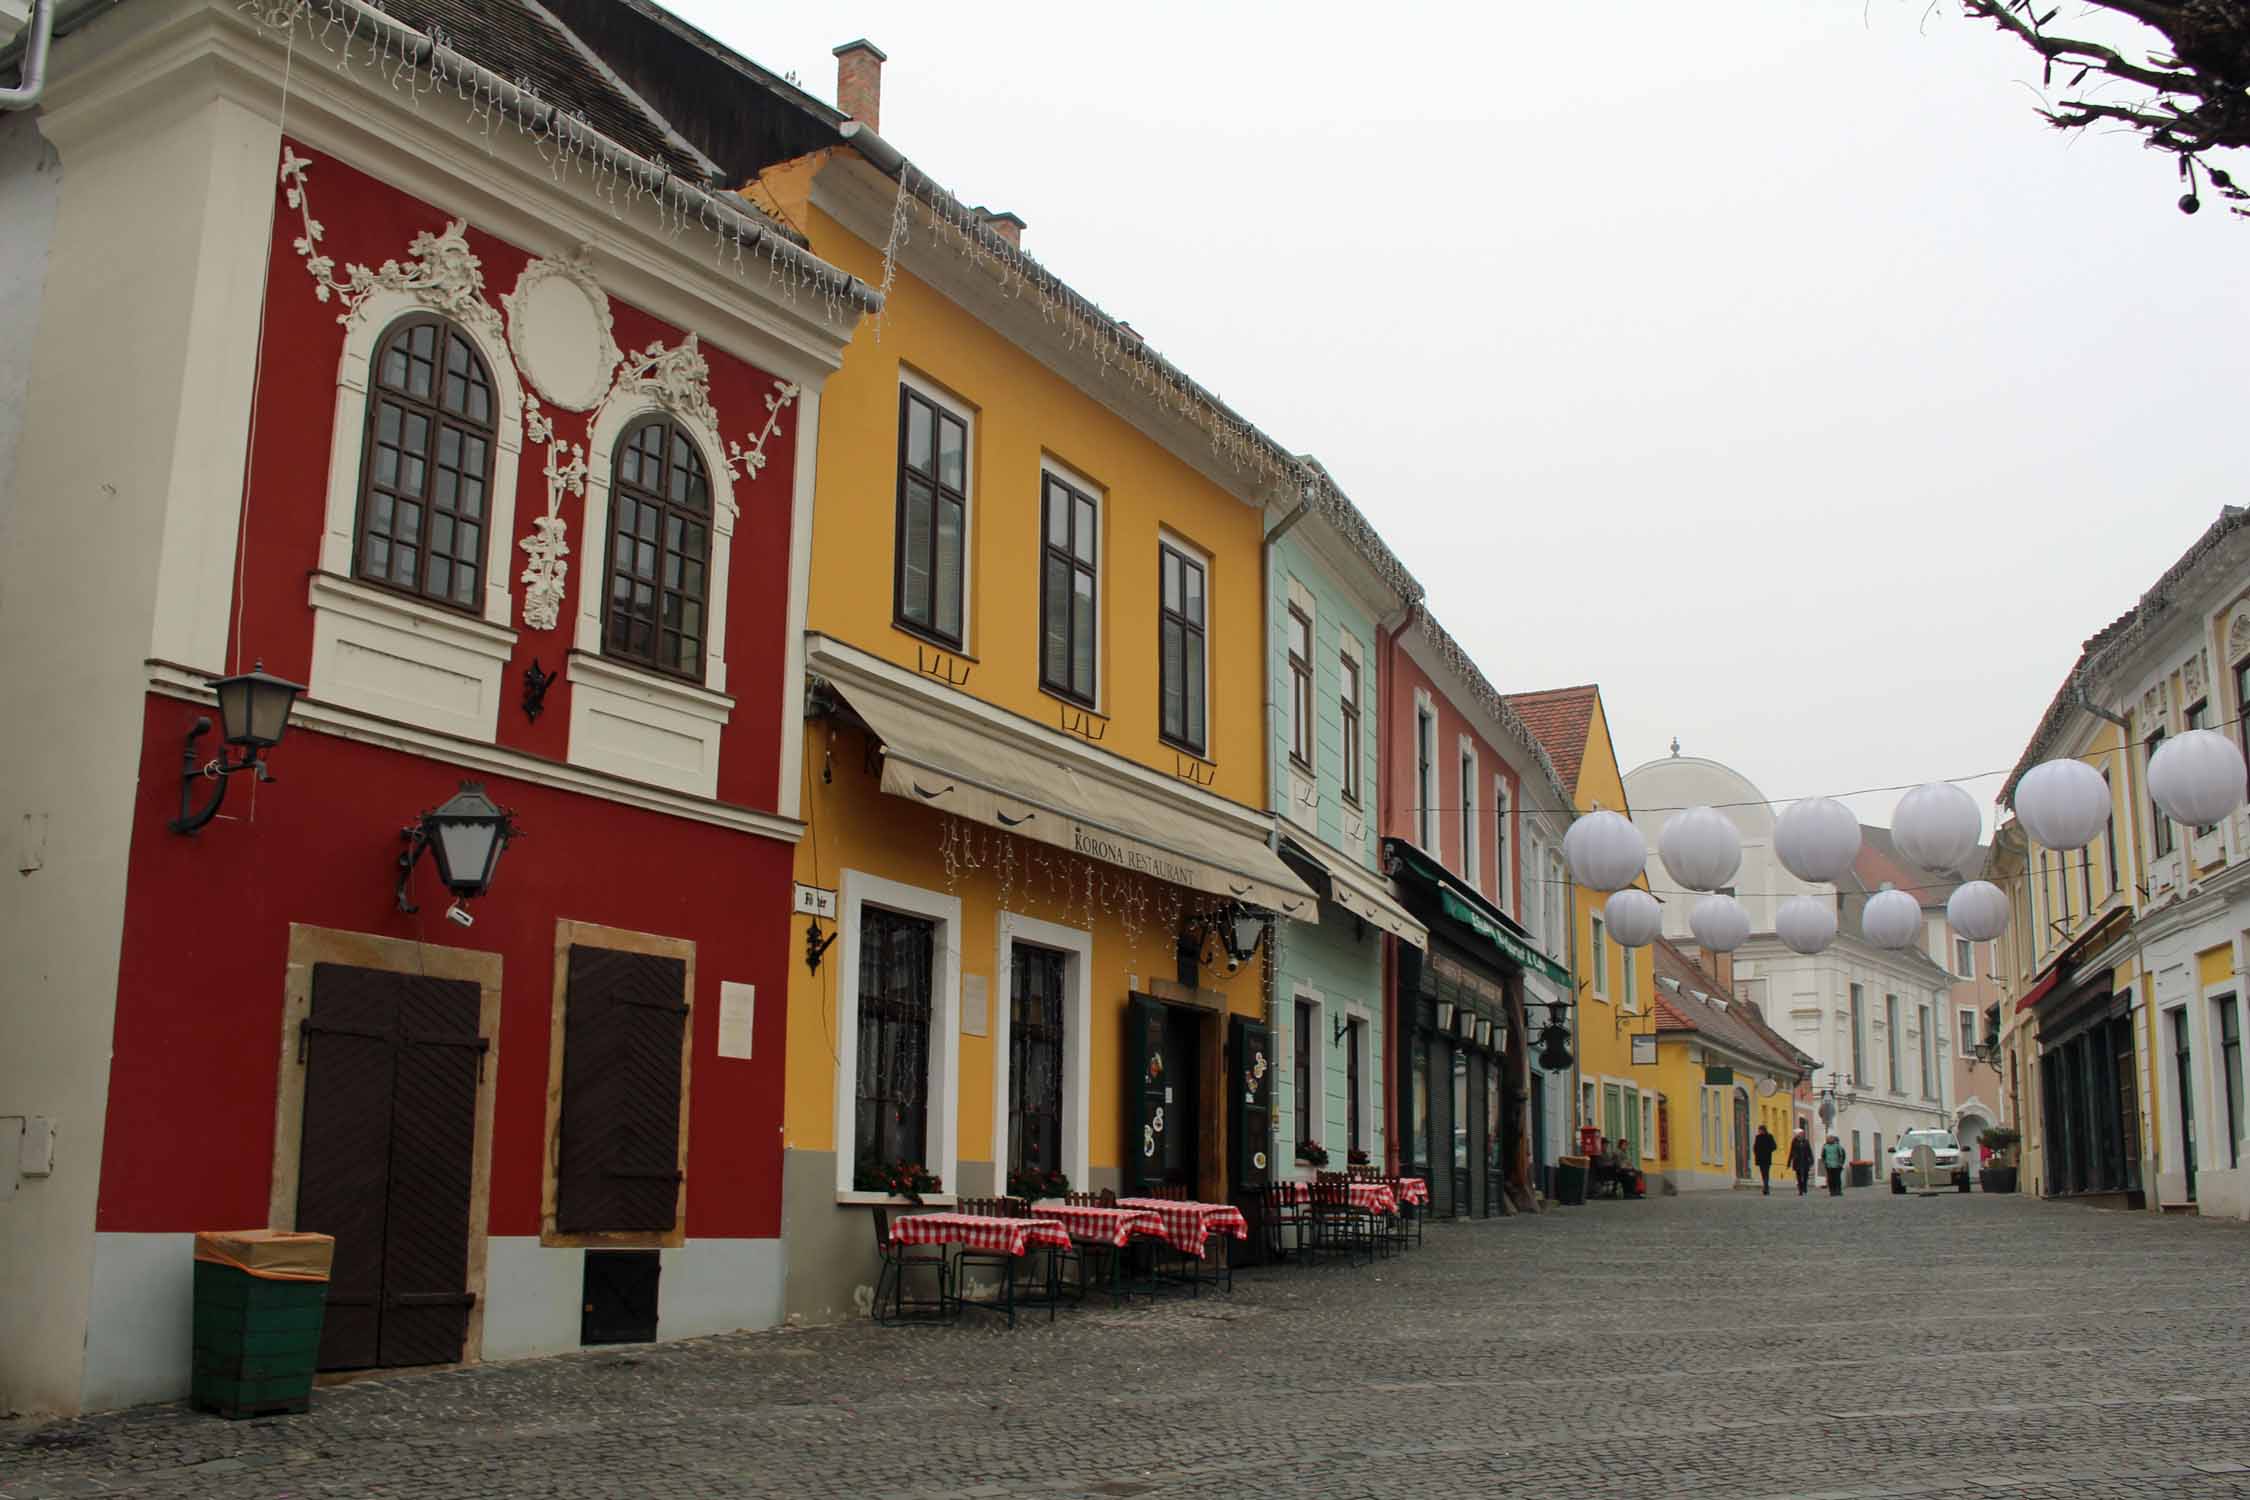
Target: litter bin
1570, 1180
259, 1294
1863, 1174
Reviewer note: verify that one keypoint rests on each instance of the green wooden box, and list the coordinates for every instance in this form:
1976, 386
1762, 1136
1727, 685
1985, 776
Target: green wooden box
257, 1341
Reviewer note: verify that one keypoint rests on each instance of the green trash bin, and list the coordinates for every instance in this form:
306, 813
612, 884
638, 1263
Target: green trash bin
1570, 1180
259, 1296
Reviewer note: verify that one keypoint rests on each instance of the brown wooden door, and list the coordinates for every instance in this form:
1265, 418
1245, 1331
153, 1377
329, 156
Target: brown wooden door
618, 1162
392, 1063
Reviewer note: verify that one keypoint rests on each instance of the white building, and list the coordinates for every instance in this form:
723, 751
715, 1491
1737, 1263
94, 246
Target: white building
1881, 1021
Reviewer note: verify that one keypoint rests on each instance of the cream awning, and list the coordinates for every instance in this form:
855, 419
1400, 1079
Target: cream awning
1361, 891
939, 755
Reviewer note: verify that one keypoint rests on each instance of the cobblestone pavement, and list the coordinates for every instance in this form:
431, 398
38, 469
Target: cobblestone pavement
1721, 1345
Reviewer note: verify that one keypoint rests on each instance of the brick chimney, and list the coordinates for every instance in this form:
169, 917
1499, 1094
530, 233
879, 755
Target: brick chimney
1005, 225
859, 82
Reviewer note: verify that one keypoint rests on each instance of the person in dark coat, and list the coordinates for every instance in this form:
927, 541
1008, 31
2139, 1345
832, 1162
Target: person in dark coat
1800, 1159
1762, 1150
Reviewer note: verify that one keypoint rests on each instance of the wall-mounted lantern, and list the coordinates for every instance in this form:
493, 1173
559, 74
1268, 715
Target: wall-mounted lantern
253, 716
465, 836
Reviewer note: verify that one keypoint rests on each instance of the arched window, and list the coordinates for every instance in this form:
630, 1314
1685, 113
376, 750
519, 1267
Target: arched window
426, 482
659, 551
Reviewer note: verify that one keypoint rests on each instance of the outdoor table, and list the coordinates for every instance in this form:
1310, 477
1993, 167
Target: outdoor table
981, 1232
1101, 1225
1186, 1224
1411, 1190
1367, 1196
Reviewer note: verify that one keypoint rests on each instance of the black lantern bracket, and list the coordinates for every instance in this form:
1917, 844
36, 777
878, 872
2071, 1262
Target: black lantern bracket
254, 706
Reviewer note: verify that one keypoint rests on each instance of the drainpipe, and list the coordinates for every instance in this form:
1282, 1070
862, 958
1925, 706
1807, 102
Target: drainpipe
1386, 712
37, 35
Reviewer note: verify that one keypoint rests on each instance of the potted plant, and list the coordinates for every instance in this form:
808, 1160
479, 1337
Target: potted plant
1033, 1183
1358, 1157
1312, 1153
1999, 1173
901, 1179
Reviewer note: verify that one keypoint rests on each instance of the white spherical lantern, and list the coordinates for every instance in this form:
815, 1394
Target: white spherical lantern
1635, 918
1700, 849
1893, 919
2196, 778
1937, 826
1719, 923
1605, 852
1806, 923
1817, 840
1978, 910
2062, 804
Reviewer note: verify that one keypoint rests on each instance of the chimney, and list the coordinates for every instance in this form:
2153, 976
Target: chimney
859, 82
1005, 225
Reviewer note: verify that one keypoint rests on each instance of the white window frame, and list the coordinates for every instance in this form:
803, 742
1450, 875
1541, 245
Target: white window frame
1598, 946
1628, 997
1363, 1036
1426, 786
938, 395
1648, 1126
1167, 537
1589, 1103
1305, 994
1078, 1024
1468, 771
1051, 465
1559, 903
1502, 812
856, 890
375, 649
1968, 1031
1964, 958
1300, 599
1351, 755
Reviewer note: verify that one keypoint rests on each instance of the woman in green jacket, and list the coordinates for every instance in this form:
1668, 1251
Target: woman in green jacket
1832, 1158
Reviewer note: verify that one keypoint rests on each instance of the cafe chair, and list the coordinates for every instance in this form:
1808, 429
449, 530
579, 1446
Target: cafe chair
897, 1263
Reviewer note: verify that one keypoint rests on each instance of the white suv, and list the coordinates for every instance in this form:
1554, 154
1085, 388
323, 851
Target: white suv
1946, 1152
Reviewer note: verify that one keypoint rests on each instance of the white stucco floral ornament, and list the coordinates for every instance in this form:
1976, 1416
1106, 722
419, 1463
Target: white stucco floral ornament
2062, 803
1806, 923
1700, 849
1978, 911
2196, 778
1605, 851
1816, 840
1937, 826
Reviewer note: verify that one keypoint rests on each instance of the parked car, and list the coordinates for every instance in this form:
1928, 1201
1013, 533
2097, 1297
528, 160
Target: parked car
1951, 1161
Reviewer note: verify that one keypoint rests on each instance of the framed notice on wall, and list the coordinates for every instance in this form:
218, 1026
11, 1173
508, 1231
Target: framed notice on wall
1644, 1050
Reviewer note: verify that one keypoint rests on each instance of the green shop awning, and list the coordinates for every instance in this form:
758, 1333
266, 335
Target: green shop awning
1430, 885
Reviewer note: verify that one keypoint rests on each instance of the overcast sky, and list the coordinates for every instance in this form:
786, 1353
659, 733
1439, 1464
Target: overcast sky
1766, 361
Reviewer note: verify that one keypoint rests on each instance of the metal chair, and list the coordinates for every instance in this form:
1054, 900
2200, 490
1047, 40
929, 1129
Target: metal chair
1337, 1222
897, 1261
1282, 1220
1003, 1264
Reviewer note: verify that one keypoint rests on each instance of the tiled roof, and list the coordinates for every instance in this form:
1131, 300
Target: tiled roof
1560, 718
523, 43
1716, 1023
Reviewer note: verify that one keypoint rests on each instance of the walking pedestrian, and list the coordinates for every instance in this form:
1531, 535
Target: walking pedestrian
1763, 1148
1800, 1159
1832, 1158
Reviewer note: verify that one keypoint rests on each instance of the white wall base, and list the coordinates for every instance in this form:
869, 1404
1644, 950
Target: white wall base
140, 1337
2223, 1193
1688, 1181
718, 1286
531, 1297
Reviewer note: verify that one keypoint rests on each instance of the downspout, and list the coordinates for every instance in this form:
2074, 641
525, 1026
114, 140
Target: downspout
1273, 784
1386, 710
38, 35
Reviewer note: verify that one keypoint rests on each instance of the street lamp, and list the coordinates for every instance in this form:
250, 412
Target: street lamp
465, 836
253, 716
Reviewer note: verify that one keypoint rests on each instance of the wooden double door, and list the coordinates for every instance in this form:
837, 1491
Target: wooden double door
387, 1160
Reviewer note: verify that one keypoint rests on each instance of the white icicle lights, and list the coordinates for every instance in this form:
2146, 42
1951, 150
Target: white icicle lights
1635, 917
2196, 778
1719, 923
1893, 919
2062, 804
1816, 841
1937, 826
1605, 852
1979, 910
1700, 849
1806, 923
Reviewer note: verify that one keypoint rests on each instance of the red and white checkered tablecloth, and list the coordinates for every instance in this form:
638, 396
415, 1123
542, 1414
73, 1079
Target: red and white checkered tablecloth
1367, 1197
1101, 1225
1411, 1189
980, 1232
1188, 1225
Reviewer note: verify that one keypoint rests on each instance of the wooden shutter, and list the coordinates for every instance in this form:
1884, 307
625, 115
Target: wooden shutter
618, 1163
344, 1161
1250, 1102
1147, 1071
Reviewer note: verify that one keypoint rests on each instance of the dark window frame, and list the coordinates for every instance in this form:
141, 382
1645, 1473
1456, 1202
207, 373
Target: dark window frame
1057, 677
676, 520
2109, 833
433, 409
1858, 995
1347, 692
1502, 806
1301, 746
1038, 1020
941, 416
1890, 1041
1193, 737
2229, 1015
1355, 1115
1469, 849
1301, 1070
1425, 776
2162, 840
890, 1011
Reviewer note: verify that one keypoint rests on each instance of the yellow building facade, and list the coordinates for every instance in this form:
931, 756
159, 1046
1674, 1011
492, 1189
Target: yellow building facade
1034, 782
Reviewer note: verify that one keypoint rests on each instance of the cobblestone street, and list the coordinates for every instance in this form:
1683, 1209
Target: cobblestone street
2008, 1347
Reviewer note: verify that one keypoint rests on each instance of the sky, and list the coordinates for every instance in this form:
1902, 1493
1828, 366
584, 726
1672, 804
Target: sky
1768, 362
